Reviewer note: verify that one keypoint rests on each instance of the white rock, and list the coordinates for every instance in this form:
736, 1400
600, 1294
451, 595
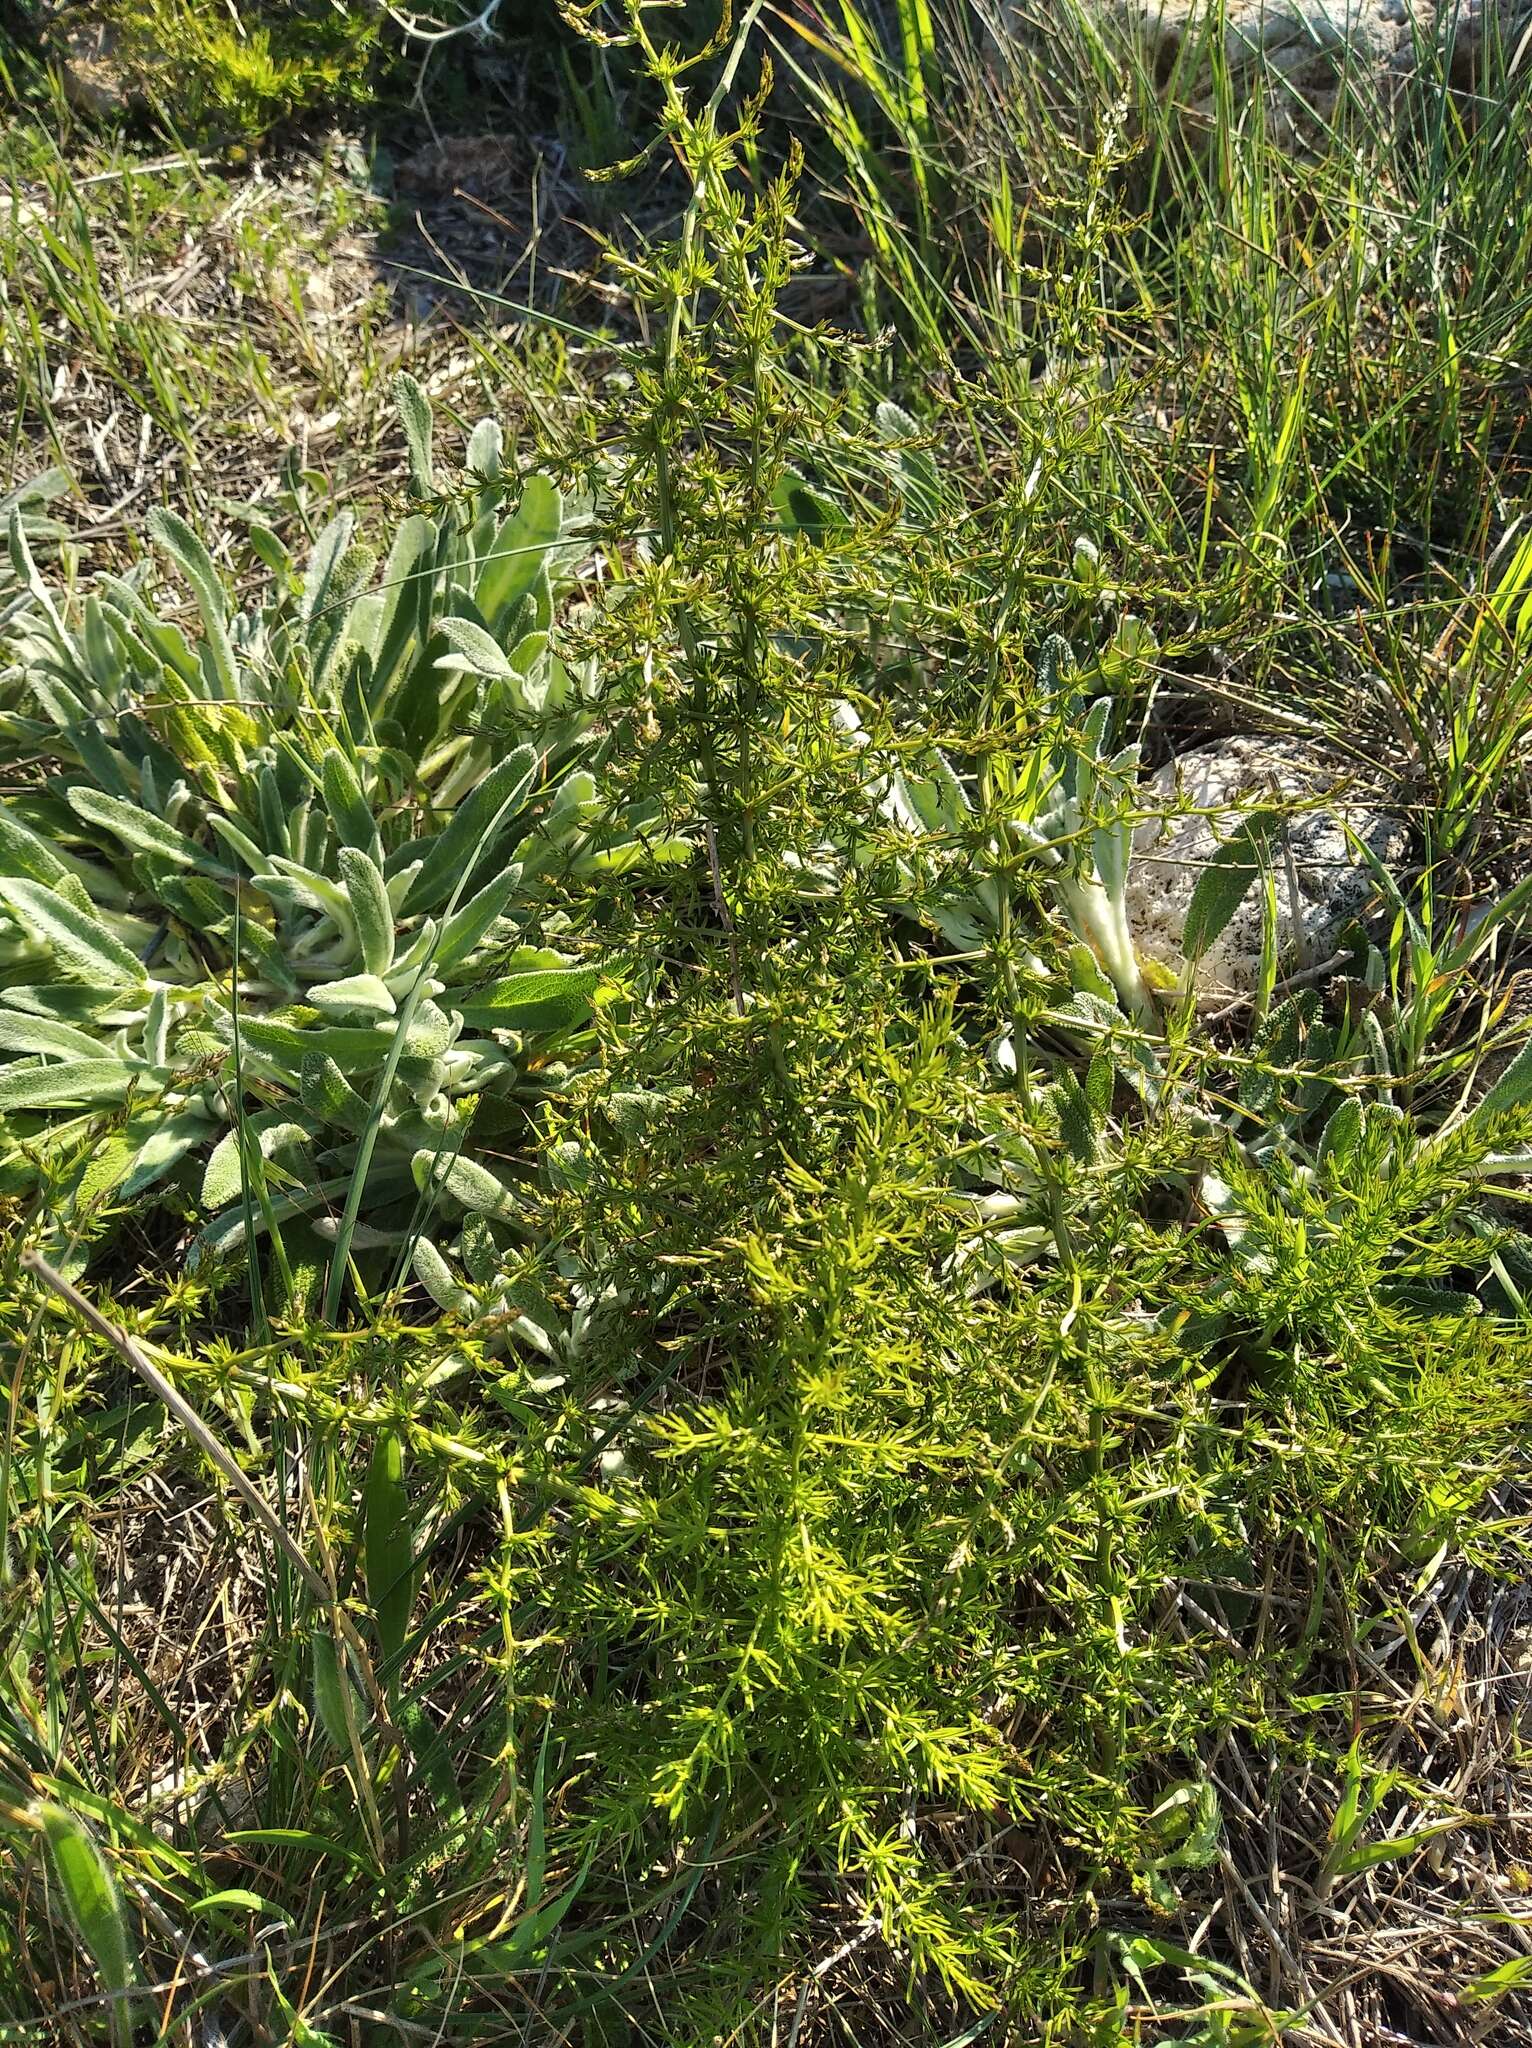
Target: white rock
89, 64
1309, 55
1322, 884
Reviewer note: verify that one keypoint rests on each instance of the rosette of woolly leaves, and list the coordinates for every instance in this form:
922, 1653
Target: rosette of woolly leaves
271, 914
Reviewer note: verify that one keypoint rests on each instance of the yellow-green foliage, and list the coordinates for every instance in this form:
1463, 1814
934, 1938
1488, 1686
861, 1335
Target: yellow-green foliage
211, 69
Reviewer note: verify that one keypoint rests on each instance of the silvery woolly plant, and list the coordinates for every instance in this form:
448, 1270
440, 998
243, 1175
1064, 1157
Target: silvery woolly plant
271, 915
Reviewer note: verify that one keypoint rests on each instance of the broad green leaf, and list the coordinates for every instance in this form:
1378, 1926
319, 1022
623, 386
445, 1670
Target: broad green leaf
21, 1033
270, 550
1506, 909
358, 996
1367, 1855
537, 1841
671, 851
237, 1899
466, 1181
1489, 1985
23, 1086
82, 946
547, 999
436, 1276
92, 1905
297, 2031
143, 833
456, 852
802, 509
305, 1838
474, 650
332, 1691
354, 822
388, 1544
371, 911
178, 540
525, 1943
273, 1133
1225, 881
519, 550
1191, 1809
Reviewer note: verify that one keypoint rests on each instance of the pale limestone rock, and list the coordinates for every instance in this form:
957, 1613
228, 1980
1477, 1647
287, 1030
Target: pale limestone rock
1309, 56
1322, 883
89, 63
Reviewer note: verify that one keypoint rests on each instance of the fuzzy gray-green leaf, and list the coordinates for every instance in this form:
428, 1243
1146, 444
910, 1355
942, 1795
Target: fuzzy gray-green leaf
1225, 880
165, 1148
475, 825
270, 1131
466, 927
466, 1181
82, 947
178, 540
92, 1905
546, 999
370, 908
475, 650
436, 1276
141, 832
24, 1086
356, 997
415, 417
20, 1033
24, 852
347, 805
520, 549
1512, 1090
329, 1097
